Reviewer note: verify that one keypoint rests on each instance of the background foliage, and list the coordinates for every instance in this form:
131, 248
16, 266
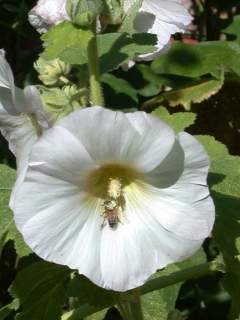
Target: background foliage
194, 87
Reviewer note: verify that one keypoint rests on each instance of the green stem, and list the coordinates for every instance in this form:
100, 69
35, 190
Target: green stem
136, 307
81, 312
178, 276
125, 310
152, 285
96, 95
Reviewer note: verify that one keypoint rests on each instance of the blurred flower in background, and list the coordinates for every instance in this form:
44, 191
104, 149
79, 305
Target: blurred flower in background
47, 13
160, 17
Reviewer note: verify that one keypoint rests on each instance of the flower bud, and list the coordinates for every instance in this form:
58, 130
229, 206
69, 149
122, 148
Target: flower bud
84, 12
52, 72
113, 12
61, 102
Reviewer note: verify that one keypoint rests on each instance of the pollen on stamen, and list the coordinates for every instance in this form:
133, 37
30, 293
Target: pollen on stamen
114, 188
110, 180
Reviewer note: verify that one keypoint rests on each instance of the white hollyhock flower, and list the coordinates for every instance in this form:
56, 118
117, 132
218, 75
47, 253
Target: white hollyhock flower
116, 196
161, 17
17, 106
47, 13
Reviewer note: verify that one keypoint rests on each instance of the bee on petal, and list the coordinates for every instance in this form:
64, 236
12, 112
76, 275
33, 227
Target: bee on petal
112, 205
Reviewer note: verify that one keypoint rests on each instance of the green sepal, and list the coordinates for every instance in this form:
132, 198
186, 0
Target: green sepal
113, 12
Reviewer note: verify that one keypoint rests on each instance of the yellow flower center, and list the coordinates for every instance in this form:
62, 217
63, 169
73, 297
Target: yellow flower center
110, 180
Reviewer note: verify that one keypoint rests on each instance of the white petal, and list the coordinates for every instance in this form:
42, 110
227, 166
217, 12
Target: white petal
120, 139
59, 222
138, 247
6, 99
7, 87
196, 160
169, 170
85, 253
128, 65
6, 76
12, 98
60, 154
186, 208
163, 18
47, 13
181, 218
157, 139
160, 49
20, 178
20, 135
107, 135
35, 105
169, 11
192, 185
127, 256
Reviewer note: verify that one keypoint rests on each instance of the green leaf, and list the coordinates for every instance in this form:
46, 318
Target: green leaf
196, 92
114, 48
120, 86
234, 28
97, 316
223, 165
8, 230
156, 81
199, 59
65, 40
225, 181
88, 293
178, 121
40, 290
6, 310
159, 304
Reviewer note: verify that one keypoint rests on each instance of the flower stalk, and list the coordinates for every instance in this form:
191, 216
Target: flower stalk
130, 305
136, 307
125, 310
96, 95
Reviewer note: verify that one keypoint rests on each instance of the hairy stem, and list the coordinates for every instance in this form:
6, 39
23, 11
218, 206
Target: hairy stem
96, 95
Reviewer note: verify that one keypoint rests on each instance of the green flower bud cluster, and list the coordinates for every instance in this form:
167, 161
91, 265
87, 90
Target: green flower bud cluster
52, 72
59, 102
85, 12
113, 12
